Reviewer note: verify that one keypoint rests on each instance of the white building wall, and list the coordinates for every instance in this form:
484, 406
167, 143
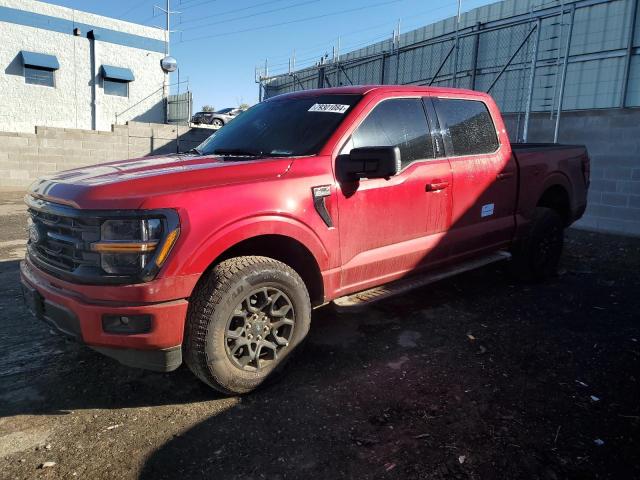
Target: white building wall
68, 104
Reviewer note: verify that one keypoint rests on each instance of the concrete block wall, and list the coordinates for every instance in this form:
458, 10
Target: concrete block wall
26, 156
612, 137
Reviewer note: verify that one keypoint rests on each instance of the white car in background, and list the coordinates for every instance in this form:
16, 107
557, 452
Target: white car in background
217, 119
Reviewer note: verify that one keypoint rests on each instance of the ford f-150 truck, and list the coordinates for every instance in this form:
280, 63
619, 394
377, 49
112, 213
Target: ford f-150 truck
217, 257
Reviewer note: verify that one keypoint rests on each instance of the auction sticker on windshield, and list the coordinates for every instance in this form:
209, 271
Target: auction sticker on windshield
329, 107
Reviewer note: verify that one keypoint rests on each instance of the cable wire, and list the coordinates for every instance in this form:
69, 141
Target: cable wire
298, 4
299, 20
234, 10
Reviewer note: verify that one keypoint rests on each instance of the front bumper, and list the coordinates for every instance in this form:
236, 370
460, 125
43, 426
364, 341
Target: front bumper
79, 317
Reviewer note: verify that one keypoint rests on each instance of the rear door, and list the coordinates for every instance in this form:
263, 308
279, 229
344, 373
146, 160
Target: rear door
484, 177
391, 227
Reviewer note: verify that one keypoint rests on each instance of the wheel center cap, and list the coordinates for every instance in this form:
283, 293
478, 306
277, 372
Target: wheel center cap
257, 327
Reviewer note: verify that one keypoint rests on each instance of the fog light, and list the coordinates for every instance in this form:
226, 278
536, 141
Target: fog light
126, 324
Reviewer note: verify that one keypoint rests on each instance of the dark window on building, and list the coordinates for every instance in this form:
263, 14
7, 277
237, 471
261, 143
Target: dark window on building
39, 76
398, 122
115, 87
469, 124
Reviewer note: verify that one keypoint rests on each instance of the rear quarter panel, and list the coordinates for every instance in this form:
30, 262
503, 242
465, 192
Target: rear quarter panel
541, 168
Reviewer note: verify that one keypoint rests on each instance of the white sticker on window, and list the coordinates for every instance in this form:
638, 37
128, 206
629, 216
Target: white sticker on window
487, 210
329, 108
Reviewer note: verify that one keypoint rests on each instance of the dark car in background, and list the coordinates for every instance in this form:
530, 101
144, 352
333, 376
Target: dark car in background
216, 119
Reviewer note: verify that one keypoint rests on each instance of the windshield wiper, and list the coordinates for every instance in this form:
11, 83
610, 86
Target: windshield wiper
237, 152
195, 150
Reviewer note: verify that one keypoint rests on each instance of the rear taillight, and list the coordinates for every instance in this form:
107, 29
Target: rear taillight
586, 170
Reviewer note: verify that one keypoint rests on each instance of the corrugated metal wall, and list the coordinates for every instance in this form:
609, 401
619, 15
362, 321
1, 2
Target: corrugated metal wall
603, 62
179, 108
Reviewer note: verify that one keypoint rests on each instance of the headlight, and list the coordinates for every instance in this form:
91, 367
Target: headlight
128, 246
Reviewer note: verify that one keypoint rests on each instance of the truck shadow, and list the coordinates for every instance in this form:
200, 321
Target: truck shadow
476, 366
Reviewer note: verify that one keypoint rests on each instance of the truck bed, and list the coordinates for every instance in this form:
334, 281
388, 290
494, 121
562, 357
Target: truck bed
528, 147
543, 164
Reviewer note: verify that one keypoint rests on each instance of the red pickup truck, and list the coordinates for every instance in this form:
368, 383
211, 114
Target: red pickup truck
218, 256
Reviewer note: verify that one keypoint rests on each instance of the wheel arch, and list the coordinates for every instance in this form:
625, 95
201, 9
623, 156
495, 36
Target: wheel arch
557, 198
283, 239
286, 250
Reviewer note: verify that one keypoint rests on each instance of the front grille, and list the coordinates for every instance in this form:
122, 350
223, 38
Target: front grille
62, 241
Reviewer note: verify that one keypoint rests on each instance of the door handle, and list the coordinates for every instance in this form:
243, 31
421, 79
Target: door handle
504, 176
436, 186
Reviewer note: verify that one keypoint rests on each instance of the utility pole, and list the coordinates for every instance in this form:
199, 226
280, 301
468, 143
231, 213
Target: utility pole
167, 41
397, 46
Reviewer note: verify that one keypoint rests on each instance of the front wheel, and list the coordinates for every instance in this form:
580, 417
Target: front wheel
536, 256
244, 320
217, 123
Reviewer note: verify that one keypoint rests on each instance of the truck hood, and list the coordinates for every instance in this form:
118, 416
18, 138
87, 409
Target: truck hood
127, 184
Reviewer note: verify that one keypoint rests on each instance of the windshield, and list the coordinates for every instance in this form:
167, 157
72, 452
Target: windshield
282, 127
225, 110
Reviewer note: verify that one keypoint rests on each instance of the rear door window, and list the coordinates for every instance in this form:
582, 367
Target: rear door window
397, 122
469, 126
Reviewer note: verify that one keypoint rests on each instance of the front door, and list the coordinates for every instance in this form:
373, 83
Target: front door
392, 227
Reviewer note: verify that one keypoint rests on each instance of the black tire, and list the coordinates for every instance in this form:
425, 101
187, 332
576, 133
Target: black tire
216, 122
228, 289
536, 256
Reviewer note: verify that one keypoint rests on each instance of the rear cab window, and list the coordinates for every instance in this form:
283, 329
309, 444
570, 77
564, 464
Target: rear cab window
468, 126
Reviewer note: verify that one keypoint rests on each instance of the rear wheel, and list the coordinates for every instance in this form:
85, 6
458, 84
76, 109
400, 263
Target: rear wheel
244, 321
536, 256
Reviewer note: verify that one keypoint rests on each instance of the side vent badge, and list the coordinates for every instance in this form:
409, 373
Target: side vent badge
320, 194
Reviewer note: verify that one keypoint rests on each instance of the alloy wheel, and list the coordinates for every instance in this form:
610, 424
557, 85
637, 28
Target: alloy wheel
259, 329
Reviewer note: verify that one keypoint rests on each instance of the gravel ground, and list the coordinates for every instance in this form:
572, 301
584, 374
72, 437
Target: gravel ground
475, 377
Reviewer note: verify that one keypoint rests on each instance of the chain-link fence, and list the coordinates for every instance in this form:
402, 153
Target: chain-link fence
539, 60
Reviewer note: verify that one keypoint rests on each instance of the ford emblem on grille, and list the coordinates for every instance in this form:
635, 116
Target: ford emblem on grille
34, 234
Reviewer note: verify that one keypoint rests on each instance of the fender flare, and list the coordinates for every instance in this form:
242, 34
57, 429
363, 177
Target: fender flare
223, 239
557, 179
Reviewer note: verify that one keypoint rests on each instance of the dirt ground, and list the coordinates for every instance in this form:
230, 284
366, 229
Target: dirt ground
477, 377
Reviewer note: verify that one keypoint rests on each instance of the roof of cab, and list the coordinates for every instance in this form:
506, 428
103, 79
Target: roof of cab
368, 89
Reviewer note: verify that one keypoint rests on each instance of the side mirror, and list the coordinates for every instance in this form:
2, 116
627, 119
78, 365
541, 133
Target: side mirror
369, 162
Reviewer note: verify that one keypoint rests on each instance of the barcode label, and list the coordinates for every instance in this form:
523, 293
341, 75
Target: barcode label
329, 107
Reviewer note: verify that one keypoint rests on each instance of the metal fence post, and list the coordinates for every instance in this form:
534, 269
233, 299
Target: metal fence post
382, 67
457, 47
532, 76
564, 74
398, 54
397, 62
627, 64
321, 77
474, 60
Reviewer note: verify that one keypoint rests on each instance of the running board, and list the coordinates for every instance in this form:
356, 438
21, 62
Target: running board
375, 294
